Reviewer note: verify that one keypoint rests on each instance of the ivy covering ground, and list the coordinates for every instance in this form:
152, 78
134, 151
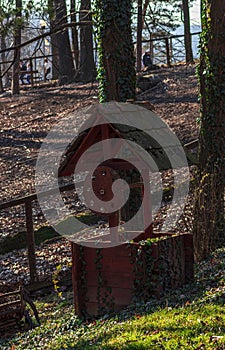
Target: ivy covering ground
189, 318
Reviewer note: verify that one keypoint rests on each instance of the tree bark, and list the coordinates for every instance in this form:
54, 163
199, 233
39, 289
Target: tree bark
1, 83
66, 66
54, 45
139, 36
87, 64
17, 41
209, 228
116, 71
3, 57
75, 46
187, 32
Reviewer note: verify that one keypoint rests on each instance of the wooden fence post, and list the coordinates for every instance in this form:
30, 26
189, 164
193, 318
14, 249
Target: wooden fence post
30, 241
31, 74
167, 52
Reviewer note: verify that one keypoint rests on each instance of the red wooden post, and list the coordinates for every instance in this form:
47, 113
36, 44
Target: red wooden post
113, 227
147, 205
76, 278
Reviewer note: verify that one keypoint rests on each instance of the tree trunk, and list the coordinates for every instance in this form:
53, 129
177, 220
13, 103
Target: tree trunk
187, 32
66, 66
54, 45
1, 83
87, 64
3, 57
75, 46
209, 228
139, 36
116, 72
146, 3
17, 42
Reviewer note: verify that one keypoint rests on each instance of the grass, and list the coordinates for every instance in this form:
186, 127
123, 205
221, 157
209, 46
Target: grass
189, 318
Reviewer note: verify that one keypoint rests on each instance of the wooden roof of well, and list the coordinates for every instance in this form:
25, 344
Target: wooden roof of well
132, 123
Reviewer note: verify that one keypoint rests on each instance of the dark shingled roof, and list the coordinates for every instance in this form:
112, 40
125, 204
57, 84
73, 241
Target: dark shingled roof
152, 128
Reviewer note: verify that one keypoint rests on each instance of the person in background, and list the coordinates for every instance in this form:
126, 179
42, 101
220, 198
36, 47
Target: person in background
23, 69
147, 61
47, 67
28, 74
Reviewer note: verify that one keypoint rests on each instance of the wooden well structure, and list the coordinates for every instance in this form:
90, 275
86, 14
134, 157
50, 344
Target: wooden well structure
104, 279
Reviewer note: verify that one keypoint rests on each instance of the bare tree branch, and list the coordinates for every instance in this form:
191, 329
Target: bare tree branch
43, 35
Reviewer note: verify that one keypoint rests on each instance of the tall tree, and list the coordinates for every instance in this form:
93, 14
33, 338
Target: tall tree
139, 36
17, 42
187, 31
116, 70
1, 83
66, 65
75, 45
54, 45
87, 64
209, 229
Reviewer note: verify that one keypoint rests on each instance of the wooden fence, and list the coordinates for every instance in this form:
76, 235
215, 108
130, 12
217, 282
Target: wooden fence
166, 50
27, 202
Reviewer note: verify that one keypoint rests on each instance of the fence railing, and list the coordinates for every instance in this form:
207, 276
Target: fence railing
170, 49
164, 50
27, 202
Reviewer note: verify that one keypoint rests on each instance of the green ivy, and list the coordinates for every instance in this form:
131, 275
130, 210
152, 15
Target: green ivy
209, 206
104, 292
83, 279
116, 69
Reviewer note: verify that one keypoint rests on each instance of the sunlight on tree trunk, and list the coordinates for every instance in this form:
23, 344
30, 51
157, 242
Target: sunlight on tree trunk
74, 31
187, 32
209, 229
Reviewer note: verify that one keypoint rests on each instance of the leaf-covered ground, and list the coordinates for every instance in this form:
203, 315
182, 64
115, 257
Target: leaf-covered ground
191, 318
25, 120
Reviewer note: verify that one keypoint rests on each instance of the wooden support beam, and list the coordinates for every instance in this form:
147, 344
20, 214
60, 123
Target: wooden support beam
30, 242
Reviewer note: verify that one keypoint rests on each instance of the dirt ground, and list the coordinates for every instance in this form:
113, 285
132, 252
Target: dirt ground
26, 119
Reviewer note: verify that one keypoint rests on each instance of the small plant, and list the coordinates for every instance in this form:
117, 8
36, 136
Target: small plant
56, 277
